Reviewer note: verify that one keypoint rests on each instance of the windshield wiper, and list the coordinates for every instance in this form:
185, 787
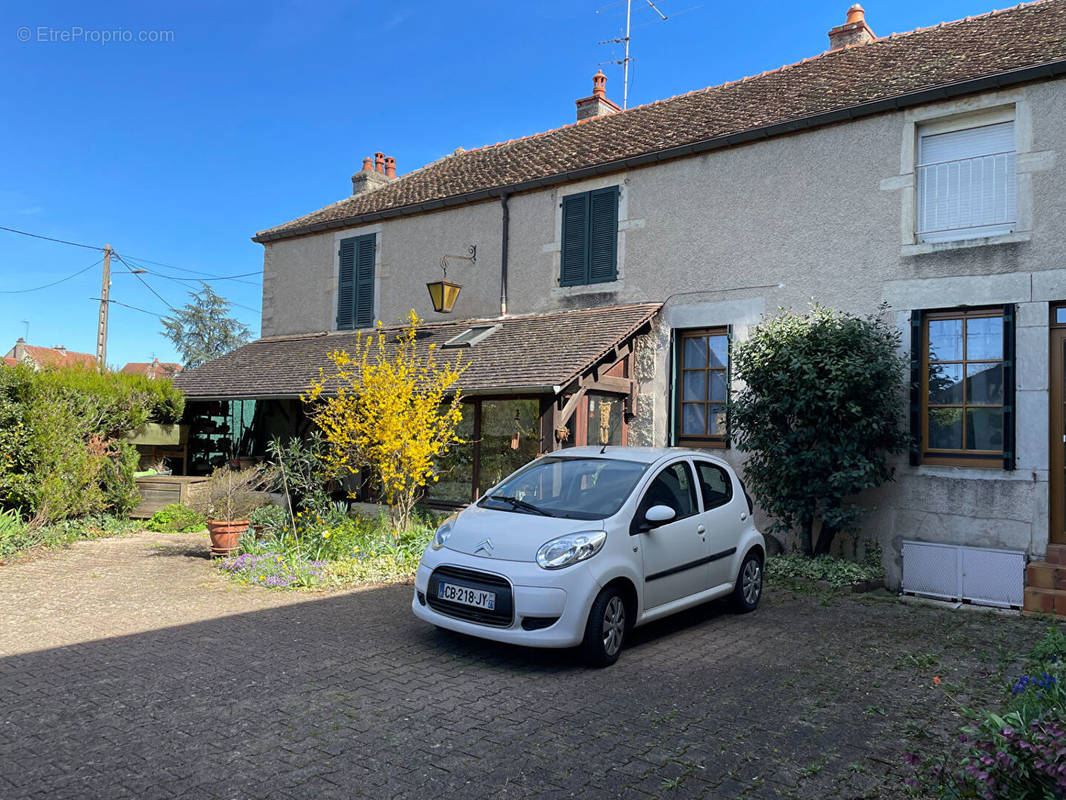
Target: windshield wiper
514, 502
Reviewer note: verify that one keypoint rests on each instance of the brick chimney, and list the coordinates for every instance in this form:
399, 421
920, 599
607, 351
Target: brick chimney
377, 171
597, 105
853, 31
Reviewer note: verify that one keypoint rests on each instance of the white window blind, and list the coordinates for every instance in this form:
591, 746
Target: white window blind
967, 183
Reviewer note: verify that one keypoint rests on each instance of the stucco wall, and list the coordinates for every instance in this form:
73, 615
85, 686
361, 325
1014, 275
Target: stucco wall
724, 237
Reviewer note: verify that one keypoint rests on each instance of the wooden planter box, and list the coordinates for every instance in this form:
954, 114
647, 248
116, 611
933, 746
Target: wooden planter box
153, 433
162, 490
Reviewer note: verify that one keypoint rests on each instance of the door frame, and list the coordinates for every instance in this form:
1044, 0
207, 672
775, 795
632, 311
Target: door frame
1057, 426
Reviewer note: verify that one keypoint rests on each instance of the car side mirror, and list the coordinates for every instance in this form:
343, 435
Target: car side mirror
657, 515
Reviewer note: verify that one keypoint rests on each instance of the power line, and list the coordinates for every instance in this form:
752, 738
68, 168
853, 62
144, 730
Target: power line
146, 285
50, 239
236, 278
191, 271
53, 283
127, 305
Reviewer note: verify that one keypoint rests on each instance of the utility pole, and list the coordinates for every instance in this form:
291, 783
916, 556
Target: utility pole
101, 329
625, 61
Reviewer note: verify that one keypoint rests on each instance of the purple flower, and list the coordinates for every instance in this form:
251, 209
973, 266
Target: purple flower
911, 758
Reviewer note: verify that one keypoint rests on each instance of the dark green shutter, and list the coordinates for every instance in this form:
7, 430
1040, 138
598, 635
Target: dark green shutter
603, 234
346, 286
1009, 415
674, 421
916, 388
355, 289
364, 281
729, 387
575, 240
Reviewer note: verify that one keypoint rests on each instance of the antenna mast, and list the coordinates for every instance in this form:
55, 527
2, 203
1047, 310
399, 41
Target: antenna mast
625, 41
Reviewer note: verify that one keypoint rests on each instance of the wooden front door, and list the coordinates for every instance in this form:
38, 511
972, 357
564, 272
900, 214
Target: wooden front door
1057, 465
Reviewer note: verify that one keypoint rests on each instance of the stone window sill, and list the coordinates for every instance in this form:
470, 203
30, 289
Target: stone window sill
936, 247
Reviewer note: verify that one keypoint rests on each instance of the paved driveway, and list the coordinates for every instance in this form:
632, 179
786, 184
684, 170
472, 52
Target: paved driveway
129, 669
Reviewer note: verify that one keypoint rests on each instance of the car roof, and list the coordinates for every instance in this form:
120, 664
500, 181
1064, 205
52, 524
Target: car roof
643, 455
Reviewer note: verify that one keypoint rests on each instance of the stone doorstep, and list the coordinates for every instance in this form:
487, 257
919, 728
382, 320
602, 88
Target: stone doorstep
1045, 601
1044, 575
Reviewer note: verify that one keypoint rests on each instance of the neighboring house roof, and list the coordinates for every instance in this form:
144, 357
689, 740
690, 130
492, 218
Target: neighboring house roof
50, 356
531, 352
11, 362
152, 369
1027, 42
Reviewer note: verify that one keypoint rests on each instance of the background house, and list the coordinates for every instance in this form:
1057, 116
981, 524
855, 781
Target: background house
152, 369
40, 357
921, 170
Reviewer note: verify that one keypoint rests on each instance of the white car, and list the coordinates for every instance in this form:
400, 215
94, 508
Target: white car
580, 546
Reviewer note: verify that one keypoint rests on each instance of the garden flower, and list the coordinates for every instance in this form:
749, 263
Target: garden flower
936, 681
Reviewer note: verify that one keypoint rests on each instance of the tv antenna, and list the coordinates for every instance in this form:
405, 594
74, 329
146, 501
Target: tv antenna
26, 322
625, 40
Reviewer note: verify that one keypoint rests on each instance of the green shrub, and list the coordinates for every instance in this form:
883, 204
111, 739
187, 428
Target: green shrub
12, 532
175, 518
834, 571
817, 416
62, 451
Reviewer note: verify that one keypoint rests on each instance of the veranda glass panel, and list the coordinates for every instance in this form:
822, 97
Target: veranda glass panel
456, 468
984, 429
605, 420
509, 438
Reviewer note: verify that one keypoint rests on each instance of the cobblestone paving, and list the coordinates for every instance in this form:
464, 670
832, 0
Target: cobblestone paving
129, 669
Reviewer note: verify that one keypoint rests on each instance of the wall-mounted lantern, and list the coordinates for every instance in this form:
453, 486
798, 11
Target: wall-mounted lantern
444, 293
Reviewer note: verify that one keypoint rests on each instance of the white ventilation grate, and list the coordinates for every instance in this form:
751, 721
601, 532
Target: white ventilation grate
976, 574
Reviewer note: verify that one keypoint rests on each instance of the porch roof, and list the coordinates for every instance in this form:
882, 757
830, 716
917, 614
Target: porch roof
531, 353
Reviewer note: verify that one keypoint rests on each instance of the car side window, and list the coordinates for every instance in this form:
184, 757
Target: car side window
672, 487
715, 485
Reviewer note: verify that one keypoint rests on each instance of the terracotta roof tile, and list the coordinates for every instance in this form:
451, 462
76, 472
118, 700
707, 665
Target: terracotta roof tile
533, 350
55, 357
976, 47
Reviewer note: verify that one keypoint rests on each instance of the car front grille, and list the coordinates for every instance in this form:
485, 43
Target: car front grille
500, 617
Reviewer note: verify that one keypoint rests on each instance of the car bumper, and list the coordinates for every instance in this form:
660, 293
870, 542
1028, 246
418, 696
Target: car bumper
539, 595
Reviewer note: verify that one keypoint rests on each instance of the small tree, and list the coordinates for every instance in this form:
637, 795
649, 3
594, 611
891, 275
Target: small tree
204, 329
819, 412
391, 408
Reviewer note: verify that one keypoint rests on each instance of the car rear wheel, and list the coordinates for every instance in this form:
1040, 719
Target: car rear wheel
748, 591
606, 629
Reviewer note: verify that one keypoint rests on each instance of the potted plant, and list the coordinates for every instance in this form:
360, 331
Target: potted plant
227, 501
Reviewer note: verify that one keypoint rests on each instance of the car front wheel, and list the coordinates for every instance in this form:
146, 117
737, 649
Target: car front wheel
606, 628
748, 590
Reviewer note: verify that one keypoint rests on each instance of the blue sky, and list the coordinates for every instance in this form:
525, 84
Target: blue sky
176, 152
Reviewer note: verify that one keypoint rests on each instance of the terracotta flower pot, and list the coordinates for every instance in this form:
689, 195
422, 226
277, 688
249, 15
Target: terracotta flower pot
225, 535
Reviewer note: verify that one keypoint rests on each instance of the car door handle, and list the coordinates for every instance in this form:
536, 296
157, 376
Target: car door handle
743, 516
700, 530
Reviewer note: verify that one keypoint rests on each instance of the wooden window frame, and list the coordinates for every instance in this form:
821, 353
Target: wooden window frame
718, 441
988, 459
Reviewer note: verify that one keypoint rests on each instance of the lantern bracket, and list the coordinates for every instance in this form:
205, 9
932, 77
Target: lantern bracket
471, 257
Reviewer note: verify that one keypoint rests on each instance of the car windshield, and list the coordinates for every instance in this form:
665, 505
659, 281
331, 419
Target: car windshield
578, 488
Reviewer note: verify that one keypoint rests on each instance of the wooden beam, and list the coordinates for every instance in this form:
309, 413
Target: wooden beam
570, 407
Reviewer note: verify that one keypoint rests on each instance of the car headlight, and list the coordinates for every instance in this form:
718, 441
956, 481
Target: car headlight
570, 549
442, 534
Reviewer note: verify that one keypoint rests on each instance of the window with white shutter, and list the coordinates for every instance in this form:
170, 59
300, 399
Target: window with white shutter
967, 182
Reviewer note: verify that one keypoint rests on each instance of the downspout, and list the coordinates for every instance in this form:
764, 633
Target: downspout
503, 252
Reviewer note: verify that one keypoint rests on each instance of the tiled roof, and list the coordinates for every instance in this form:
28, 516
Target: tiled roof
56, 357
152, 369
901, 64
529, 351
